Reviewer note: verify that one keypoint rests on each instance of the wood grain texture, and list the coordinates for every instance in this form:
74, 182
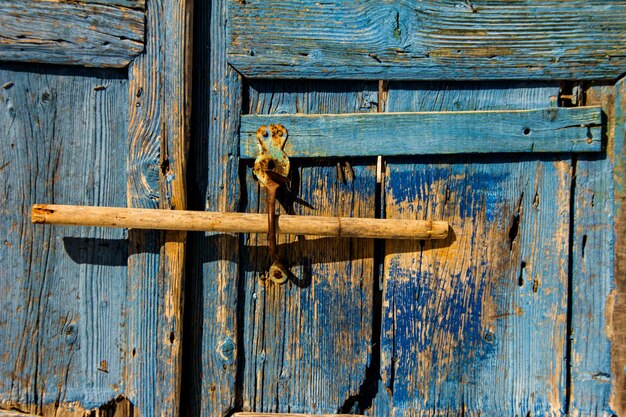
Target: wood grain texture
115, 407
59, 32
131, 4
211, 221
6, 413
160, 106
431, 133
62, 324
443, 39
212, 344
476, 325
289, 415
307, 344
618, 348
592, 275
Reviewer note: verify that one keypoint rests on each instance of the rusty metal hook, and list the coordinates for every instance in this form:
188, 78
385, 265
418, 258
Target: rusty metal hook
271, 167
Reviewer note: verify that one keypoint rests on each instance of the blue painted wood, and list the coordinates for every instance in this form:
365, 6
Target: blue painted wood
63, 298
132, 4
431, 133
60, 32
213, 350
477, 325
446, 39
158, 130
618, 316
306, 345
593, 264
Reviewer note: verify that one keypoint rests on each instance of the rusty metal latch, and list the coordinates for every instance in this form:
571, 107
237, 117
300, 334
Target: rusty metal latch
271, 167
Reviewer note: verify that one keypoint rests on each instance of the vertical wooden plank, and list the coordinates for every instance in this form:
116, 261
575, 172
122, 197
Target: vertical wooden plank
159, 92
212, 354
592, 274
307, 343
618, 349
476, 325
62, 324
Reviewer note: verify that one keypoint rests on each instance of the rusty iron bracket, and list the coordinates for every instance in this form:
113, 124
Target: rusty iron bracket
271, 167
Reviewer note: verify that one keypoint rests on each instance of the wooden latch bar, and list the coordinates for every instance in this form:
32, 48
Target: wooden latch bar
253, 414
271, 168
134, 218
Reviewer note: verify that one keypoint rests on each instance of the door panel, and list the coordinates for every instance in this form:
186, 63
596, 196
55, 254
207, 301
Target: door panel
617, 336
97, 312
592, 290
212, 303
63, 328
307, 344
477, 324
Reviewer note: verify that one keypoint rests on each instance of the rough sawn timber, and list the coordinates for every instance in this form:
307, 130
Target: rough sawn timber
618, 347
431, 133
62, 324
159, 112
212, 345
63, 32
307, 344
477, 325
592, 285
428, 40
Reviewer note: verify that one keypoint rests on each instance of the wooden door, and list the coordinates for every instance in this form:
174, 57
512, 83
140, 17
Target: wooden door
94, 111
511, 315
516, 313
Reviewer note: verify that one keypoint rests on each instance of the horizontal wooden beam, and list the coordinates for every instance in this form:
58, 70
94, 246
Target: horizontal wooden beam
63, 32
377, 39
292, 415
575, 129
133, 218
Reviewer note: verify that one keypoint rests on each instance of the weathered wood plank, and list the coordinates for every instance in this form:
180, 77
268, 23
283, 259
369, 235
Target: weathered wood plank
131, 4
160, 105
306, 344
60, 32
618, 348
445, 39
431, 133
477, 325
62, 324
290, 415
592, 276
212, 333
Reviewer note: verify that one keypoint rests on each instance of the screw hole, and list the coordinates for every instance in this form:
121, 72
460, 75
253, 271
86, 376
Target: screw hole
526, 131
